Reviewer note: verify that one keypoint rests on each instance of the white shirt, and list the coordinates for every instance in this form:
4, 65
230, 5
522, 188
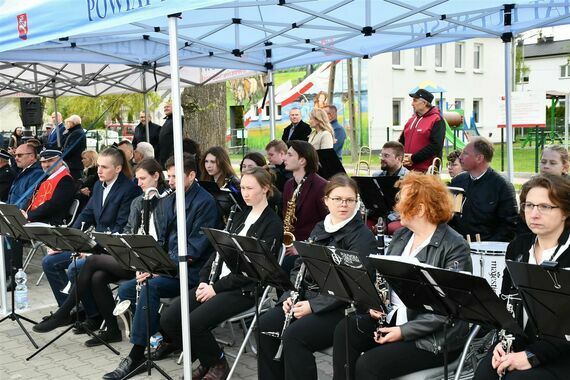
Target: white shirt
402, 316
106, 189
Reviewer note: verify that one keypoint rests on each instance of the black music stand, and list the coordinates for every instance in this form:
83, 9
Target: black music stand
378, 193
455, 295
74, 241
341, 273
140, 253
329, 163
225, 198
545, 291
11, 224
251, 258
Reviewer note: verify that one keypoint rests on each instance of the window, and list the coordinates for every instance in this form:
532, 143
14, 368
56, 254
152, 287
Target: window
459, 53
477, 56
396, 111
439, 55
458, 104
418, 61
396, 58
564, 71
477, 110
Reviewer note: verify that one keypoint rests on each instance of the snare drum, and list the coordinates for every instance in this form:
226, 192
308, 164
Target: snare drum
458, 198
488, 259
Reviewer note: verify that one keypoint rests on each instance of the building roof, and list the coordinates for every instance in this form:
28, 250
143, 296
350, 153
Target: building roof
548, 48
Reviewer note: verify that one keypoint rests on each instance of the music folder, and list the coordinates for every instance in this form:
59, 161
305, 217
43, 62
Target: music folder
378, 193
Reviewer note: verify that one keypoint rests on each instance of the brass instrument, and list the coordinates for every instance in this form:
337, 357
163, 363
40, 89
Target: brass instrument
216, 263
290, 218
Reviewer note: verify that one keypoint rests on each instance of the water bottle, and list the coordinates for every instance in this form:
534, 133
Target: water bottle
155, 341
21, 291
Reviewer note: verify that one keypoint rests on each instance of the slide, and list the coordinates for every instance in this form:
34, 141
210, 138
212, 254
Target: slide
449, 136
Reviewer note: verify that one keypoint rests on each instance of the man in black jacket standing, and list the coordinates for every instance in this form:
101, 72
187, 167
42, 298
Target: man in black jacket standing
490, 207
140, 132
166, 136
298, 129
74, 143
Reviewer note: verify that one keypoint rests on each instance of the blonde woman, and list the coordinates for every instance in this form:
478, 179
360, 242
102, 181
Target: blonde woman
322, 136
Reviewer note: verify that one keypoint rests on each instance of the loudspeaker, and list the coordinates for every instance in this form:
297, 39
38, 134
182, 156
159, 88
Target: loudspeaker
31, 111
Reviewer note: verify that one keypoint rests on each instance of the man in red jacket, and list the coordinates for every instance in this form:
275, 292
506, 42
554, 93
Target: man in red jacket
423, 134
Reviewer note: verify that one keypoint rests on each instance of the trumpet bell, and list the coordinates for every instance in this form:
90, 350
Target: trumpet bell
121, 308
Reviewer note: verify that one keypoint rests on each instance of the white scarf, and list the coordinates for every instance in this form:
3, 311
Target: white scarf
332, 228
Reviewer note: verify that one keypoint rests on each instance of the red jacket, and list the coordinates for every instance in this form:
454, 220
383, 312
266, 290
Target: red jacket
423, 137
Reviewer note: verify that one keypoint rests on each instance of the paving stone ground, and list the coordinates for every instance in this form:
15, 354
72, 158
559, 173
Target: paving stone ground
69, 359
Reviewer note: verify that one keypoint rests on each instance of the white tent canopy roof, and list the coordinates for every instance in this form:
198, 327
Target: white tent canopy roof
239, 34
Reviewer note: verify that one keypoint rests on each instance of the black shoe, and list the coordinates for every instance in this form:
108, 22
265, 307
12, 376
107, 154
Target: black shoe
125, 367
50, 323
77, 315
163, 350
105, 336
92, 324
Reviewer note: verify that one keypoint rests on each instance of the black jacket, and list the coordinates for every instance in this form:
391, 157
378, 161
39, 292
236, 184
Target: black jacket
56, 210
301, 132
72, 149
355, 237
140, 135
7, 175
490, 207
547, 351
268, 228
166, 140
445, 249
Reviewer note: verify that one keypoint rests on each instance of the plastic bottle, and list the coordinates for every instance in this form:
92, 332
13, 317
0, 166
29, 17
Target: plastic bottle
155, 340
21, 291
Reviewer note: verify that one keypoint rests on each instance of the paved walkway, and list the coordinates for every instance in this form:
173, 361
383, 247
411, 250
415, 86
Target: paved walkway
69, 359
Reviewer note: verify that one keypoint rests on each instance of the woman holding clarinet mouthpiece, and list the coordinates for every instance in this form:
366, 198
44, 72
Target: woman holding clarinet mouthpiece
545, 207
220, 293
408, 341
293, 331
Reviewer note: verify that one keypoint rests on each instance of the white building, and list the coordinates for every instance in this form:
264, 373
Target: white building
471, 72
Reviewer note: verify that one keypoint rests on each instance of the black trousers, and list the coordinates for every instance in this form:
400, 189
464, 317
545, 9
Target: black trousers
301, 339
204, 317
96, 274
554, 371
384, 361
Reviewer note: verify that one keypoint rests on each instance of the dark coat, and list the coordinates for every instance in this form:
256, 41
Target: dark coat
25, 181
490, 207
445, 249
56, 210
7, 175
113, 215
301, 132
267, 228
310, 207
546, 350
73, 144
140, 135
355, 237
201, 211
166, 140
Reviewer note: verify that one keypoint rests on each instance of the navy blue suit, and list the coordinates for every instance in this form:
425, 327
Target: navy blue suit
111, 216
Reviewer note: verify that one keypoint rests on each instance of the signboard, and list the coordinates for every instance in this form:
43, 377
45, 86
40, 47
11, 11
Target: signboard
527, 110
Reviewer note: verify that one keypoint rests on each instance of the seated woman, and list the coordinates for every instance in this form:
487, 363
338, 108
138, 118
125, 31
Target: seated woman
554, 160
216, 166
545, 207
255, 159
100, 270
230, 294
322, 136
410, 341
89, 177
453, 163
315, 315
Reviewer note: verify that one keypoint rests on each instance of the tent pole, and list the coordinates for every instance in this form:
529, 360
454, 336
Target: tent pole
271, 105
180, 193
56, 119
145, 102
507, 41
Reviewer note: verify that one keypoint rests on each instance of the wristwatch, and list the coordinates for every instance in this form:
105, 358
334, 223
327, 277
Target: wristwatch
532, 359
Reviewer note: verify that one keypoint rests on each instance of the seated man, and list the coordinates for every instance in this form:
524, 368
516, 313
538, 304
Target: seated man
201, 211
143, 150
391, 163
276, 151
490, 207
107, 210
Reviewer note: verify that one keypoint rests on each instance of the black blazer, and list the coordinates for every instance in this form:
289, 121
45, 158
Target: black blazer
268, 228
301, 132
546, 351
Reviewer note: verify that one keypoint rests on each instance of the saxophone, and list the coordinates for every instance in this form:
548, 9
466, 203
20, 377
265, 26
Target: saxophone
290, 218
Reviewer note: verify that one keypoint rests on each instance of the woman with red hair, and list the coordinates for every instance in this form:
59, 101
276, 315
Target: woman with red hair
411, 341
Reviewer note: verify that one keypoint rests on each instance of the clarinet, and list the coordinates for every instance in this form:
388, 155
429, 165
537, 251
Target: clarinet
289, 315
216, 263
506, 340
380, 236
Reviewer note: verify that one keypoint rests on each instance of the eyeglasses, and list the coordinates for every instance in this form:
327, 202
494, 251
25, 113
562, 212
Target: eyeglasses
339, 201
542, 208
21, 154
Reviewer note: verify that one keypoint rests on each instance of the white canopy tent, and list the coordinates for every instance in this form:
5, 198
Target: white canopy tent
259, 35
